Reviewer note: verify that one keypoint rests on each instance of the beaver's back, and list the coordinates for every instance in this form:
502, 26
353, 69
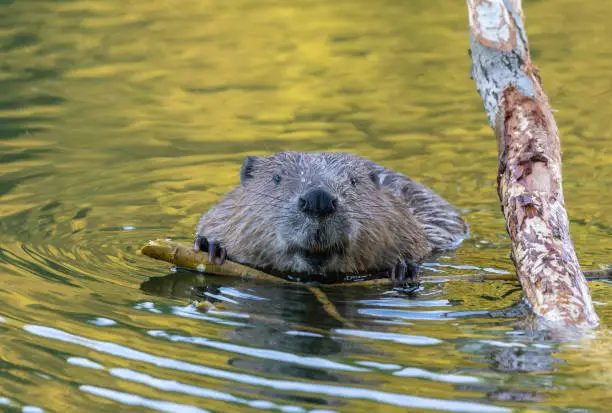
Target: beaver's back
441, 221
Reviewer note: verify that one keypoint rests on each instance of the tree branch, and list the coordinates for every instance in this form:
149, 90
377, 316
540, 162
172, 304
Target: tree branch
529, 176
185, 257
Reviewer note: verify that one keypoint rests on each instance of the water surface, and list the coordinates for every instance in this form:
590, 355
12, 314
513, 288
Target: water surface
122, 121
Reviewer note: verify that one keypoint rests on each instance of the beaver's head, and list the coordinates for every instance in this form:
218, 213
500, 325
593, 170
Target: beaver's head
315, 204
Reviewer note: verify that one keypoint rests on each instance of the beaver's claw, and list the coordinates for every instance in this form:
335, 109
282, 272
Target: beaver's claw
404, 272
213, 248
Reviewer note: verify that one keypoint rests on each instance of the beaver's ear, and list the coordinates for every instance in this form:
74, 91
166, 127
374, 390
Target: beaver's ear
375, 177
246, 172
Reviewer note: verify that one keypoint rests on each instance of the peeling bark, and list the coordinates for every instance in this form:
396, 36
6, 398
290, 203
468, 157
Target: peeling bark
185, 257
529, 176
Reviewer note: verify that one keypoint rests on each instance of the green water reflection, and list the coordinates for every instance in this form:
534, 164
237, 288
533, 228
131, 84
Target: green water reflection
123, 121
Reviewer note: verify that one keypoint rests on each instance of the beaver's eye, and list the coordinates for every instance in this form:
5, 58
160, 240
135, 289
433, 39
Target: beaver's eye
354, 181
276, 179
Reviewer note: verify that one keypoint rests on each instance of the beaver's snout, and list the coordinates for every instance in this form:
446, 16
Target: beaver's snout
317, 203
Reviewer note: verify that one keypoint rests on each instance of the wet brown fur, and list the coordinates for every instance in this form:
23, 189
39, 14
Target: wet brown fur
382, 216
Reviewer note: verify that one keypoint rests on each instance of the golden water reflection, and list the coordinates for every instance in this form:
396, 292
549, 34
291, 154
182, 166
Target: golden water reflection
121, 121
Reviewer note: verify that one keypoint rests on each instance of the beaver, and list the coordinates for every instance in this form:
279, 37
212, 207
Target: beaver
323, 213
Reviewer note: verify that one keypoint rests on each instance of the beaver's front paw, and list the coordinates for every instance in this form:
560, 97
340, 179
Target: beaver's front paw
213, 248
404, 272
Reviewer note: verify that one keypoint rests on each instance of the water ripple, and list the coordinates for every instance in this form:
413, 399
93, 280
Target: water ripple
191, 312
448, 378
328, 390
409, 315
316, 362
380, 366
83, 362
175, 386
134, 400
399, 302
102, 321
232, 292
398, 338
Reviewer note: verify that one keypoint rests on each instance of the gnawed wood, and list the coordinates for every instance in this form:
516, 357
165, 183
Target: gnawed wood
529, 177
184, 256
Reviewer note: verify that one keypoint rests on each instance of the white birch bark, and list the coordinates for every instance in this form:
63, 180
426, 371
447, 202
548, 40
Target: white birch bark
529, 176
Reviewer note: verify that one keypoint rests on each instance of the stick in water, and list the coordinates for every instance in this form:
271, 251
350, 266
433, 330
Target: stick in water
184, 256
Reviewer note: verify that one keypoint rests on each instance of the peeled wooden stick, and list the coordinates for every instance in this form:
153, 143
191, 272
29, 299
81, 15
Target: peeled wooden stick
185, 257
529, 177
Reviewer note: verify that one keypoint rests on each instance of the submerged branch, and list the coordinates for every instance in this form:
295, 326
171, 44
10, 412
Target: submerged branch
329, 307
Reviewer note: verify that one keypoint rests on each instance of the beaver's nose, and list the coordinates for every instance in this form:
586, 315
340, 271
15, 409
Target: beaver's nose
318, 203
